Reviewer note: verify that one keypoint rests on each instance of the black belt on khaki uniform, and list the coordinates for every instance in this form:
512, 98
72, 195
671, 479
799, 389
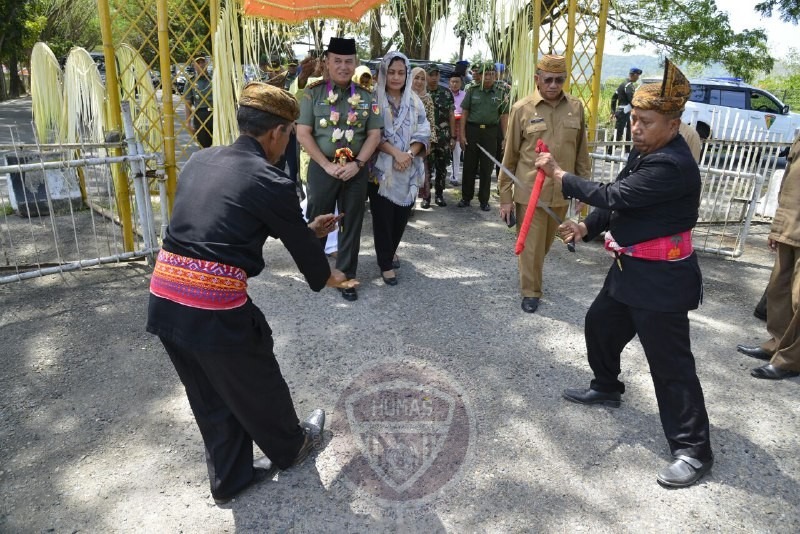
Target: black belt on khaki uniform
481, 126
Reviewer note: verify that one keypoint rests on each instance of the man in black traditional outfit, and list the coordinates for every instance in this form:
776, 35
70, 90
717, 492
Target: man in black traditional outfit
648, 214
230, 200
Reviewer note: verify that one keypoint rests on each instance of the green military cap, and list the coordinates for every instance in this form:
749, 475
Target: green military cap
489, 67
431, 67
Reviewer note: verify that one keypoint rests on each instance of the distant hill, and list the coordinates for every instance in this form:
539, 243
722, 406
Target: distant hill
619, 66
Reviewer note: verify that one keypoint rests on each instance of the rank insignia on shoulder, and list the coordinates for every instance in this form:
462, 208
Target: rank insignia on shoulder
315, 84
376, 109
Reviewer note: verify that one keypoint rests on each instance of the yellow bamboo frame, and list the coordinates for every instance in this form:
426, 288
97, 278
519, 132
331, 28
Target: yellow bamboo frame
122, 191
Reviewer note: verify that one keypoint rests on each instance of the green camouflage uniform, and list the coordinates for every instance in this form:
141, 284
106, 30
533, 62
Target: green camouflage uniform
440, 154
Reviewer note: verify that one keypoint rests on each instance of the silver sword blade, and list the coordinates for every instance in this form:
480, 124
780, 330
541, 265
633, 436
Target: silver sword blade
547, 210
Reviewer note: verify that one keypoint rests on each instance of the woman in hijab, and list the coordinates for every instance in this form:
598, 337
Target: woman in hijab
399, 167
419, 84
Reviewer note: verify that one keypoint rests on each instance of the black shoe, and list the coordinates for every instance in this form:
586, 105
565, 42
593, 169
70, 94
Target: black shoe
530, 304
440, 201
770, 372
426, 204
349, 294
683, 472
312, 427
263, 469
389, 281
463, 203
592, 396
485, 207
754, 352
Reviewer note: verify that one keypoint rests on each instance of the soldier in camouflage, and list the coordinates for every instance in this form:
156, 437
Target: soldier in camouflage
441, 147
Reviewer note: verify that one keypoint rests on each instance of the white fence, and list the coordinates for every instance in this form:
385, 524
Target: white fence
740, 179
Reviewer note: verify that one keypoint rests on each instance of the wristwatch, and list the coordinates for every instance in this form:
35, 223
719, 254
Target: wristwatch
360, 164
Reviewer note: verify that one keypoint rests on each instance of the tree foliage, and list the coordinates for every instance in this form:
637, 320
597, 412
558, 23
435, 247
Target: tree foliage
692, 31
788, 10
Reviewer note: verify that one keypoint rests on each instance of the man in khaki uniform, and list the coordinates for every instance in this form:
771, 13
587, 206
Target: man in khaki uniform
557, 119
783, 291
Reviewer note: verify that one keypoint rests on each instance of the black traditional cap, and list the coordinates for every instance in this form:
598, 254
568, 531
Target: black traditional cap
431, 67
292, 62
345, 47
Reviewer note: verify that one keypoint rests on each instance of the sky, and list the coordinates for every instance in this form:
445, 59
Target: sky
781, 35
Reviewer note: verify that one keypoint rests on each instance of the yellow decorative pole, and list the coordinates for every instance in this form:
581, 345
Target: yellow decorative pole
598, 66
537, 29
121, 190
570, 51
166, 101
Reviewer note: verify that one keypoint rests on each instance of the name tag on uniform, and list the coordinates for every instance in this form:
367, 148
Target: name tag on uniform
537, 119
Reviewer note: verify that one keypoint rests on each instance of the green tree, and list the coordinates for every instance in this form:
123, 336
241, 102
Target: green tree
692, 31
788, 10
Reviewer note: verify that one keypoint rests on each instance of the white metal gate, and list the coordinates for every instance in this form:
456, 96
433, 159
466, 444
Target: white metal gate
58, 210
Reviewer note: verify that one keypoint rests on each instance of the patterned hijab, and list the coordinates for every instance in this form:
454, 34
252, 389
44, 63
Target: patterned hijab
383, 99
402, 126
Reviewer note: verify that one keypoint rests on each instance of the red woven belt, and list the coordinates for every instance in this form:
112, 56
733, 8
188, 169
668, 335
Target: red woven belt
207, 285
668, 248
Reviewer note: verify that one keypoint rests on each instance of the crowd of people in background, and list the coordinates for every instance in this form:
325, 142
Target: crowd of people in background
391, 137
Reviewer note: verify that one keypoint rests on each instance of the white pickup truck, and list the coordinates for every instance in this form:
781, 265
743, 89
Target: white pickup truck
729, 109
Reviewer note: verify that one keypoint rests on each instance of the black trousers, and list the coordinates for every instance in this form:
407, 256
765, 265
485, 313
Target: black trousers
476, 161
389, 221
203, 126
623, 126
238, 397
610, 325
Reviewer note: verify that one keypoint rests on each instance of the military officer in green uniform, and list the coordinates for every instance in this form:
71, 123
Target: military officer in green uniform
340, 127
484, 111
444, 116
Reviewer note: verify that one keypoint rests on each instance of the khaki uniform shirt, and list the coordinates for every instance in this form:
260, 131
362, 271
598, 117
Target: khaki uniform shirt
485, 106
692, 139
315, 111
786, 224
562, 128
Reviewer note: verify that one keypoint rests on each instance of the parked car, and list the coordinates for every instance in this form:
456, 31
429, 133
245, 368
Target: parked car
722, 108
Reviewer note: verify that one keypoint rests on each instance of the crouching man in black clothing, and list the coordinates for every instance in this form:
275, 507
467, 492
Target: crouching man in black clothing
230, 200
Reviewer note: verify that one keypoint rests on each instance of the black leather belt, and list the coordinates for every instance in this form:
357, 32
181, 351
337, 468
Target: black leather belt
482, 126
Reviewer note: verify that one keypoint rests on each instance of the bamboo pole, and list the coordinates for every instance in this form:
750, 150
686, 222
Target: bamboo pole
121, 189
594, 112
170, 168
